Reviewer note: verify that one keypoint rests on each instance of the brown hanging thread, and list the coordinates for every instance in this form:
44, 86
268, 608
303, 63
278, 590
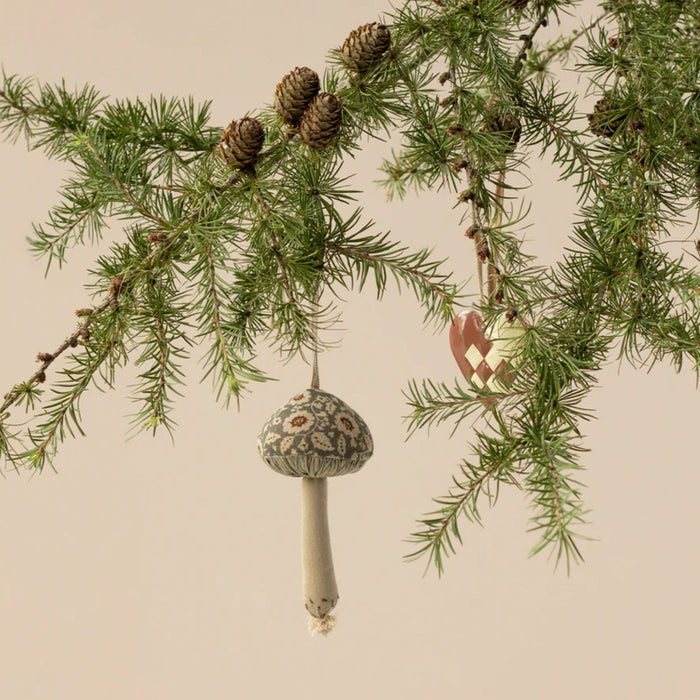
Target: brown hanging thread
479, 264
314, 375
493, 272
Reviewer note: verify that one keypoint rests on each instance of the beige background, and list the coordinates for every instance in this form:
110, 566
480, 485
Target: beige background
146, 570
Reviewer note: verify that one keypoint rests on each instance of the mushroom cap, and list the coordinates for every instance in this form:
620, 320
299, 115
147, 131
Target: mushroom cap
315, 434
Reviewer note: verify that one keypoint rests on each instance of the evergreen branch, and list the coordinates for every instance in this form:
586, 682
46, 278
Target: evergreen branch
162, 323
579, 151
555, 495
128, 195
538, 60
15, 114
216, 303
47, 359
168, 128
47, 120
61, 415
229, 370
276, 248
174, 129
83, 212
158, 402
441, 526
57, 424
10, 445
527, 39
259, 243
376, 254
59, 241
434, 403
89, 314
435, 539
283, 271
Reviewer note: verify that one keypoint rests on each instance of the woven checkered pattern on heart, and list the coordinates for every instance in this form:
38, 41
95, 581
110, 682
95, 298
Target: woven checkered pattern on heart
481, 359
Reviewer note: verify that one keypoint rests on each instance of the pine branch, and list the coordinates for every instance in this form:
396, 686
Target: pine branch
527, 39
47, 359
556, 496
434, 403
161, 322
81, 213
440, 527
568, 149
539, 59
174, 129
60, 416
47, 119
128, 196
230, 371
375, 254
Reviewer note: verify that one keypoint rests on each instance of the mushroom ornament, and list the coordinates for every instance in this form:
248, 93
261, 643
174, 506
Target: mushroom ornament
316, 435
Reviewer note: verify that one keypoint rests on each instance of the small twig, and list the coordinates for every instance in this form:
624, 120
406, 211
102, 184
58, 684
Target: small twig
158, 398
493, 272
527, 39
169, 188
552, 51
465, 164
47, 359
436, 536
61, 415
67, 231
559, 516
557, 496
478, 242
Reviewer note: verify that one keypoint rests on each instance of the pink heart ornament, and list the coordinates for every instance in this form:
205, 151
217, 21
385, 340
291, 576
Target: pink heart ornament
490, 362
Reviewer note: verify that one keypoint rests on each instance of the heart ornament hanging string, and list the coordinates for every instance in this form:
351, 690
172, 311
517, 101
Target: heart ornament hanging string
489, 360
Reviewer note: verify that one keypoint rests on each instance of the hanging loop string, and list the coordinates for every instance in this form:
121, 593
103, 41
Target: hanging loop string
479, 263
493, 272
314, 375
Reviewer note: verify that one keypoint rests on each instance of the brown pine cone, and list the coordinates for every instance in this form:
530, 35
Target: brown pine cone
321, 121
241, 142
507, 125
366, 46
601, 121
294, 93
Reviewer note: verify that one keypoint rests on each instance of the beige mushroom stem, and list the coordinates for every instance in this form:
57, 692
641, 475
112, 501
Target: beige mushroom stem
320, 588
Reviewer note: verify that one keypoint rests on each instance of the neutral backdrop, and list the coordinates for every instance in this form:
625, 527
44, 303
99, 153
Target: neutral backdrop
145, 569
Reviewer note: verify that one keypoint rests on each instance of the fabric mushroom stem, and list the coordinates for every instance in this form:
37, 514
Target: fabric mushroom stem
320, 587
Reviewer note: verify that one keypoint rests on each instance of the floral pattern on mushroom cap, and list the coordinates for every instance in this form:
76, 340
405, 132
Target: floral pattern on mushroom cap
315, 434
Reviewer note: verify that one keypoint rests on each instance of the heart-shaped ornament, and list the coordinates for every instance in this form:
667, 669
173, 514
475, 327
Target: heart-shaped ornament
490, 362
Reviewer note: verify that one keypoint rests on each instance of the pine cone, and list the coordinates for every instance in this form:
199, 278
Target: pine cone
294, 93
366, 46
507, 125
241, 142
600, 121
320, 122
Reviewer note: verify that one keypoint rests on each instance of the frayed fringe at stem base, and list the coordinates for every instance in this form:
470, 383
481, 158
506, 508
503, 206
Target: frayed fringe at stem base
321, 625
